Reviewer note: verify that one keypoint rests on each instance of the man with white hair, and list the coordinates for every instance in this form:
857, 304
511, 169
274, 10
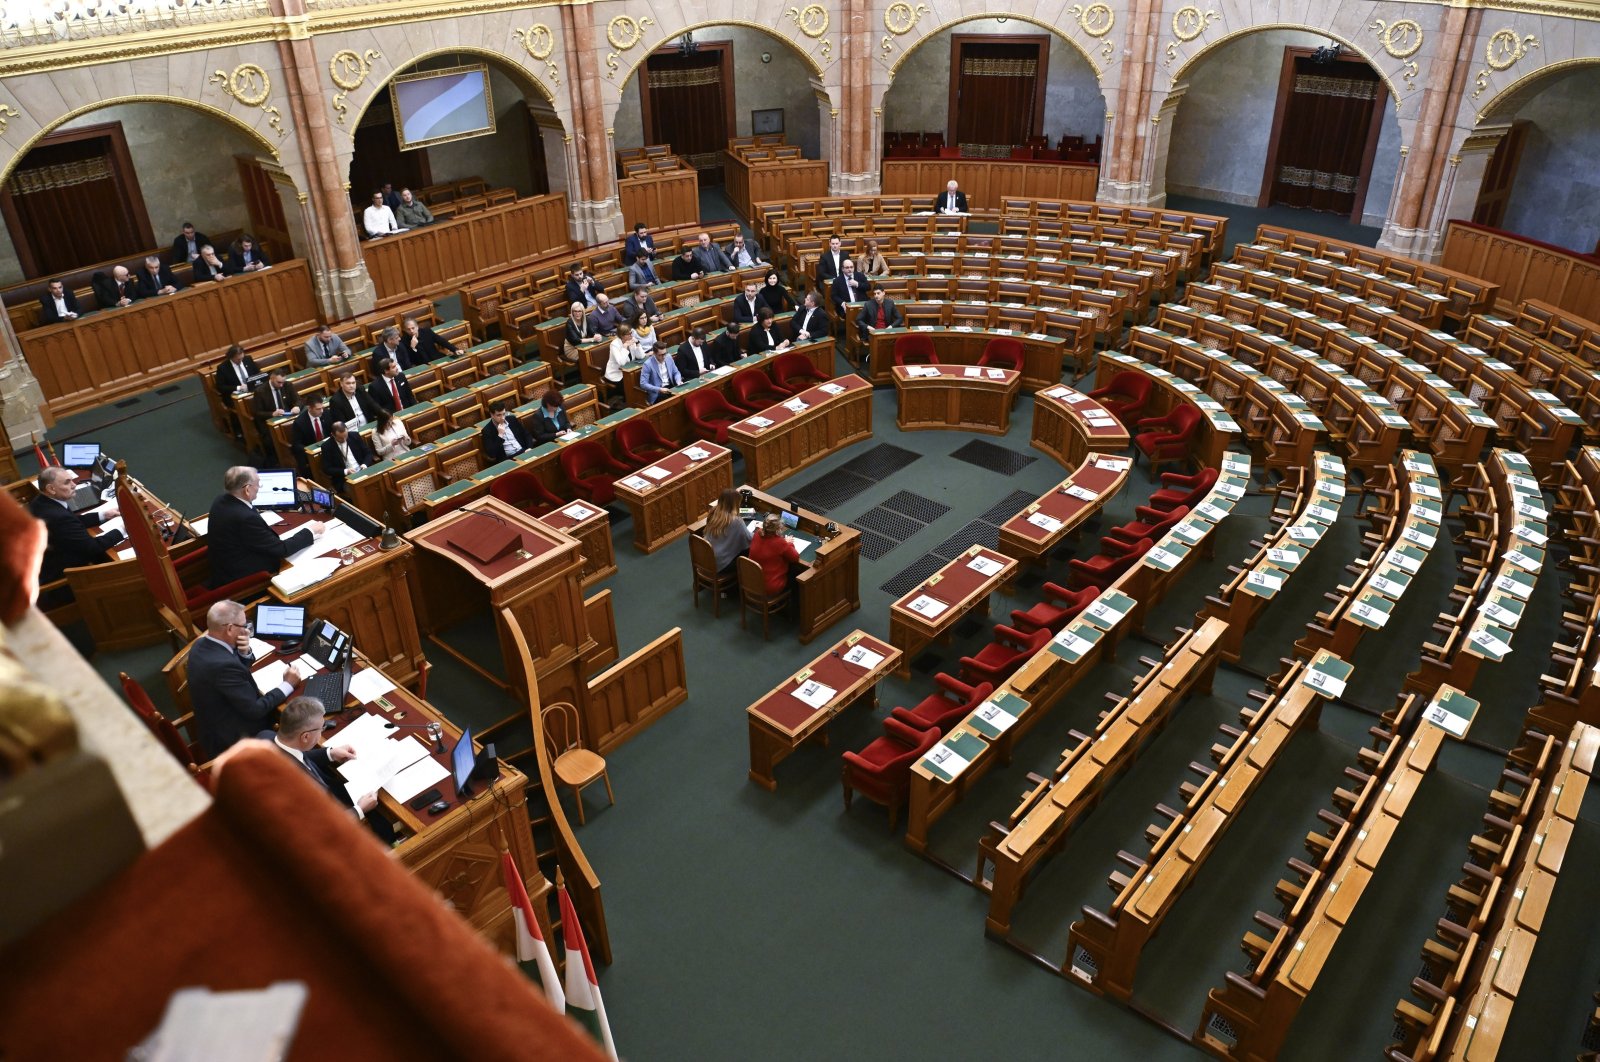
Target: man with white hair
953, 201
239, 541
227, 705
71, 545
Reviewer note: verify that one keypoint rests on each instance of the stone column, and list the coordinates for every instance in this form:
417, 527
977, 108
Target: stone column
1124, 164
856, 168
592, 198
22, 405
344, 288
1154, 179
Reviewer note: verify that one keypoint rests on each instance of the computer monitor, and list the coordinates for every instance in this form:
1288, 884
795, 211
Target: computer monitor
790, 521
280, 623
79, 455
462, 762
277, 489
321, 498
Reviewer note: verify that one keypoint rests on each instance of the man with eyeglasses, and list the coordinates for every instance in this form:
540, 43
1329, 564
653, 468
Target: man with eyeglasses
227, 705
299, 736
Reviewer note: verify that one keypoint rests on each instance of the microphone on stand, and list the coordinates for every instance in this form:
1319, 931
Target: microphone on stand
435, 732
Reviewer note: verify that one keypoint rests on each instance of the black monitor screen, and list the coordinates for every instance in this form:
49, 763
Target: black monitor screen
790, 521
79, 455
277, 489
280, 622
462, 760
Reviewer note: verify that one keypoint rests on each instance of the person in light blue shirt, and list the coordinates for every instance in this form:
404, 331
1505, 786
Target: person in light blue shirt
659, 373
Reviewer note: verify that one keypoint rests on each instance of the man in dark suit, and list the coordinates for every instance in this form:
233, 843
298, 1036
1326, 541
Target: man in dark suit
69, 543
709, 257
831, 263
344, 454
351, 404
275, 397
186, 247
581, 286
227, 705
155, 279
245, 257
879, 312
116, 290
58, 304
234, 374
309, 427
809, 321
747, 307
640, 243
299, 736
239, 542
389, 347
390, 390
849, 286
728, 347
694, 356
951, 201
503, 435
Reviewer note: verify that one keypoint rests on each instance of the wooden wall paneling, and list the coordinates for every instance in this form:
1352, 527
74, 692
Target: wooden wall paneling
1524, 269
450, 253
601, 623
630, 695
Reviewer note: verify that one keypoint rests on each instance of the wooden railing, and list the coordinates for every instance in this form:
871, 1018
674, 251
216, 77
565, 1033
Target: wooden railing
1524, 268
985, 181
436, 258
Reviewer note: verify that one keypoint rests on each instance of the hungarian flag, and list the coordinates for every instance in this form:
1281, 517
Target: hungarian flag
584, 1004
45, 460
530, 943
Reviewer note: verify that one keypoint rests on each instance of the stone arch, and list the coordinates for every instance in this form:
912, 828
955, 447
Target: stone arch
1506, 102
1098, 66
1373, 57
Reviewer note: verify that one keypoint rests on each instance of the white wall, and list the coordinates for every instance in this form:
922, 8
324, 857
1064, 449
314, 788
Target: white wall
919, 98
1556, 196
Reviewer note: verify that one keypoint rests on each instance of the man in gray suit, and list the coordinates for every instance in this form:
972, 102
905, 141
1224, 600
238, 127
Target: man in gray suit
325, 348
709, 256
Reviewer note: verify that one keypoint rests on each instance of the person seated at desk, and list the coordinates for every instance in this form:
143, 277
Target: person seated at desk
116, 290
873, 264
503, 435
582, 286
624, 352
604, 317
744, 254
239, 541
642, 272
57, 304
728, 347
642, 304
412, 212
766, 336
233, 377
186, 245
227, 706
878, 312
421, 345
830, 263
643, 331
389, 347
245, 257
389, 436
727, 532
659, 375
849, 286
581, 333
771, 549
155, 279
309, 428
640, 243
747, 307
69, 543
350, 403
344, 454
951, 201
390, 390
775, 295
809, 322
326, 348
378, 219
299, 736
275, 397
686, 266
208, 267
551, 421
708, 256
694, 357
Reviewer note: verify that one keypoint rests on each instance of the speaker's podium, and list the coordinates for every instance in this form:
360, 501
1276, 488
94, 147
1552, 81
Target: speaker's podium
489, 556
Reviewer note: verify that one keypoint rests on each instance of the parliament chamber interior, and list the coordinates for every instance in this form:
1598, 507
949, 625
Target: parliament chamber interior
799, 532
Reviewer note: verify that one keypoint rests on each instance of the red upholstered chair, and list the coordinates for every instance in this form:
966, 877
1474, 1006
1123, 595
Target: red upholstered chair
641, 444
914, 348
523, 489
1126, 396
592, 471
1168, 438
996, 661
1178, 489
1151, 523
752, 390
711, 414
172, 735
1059, 608
1002, 352
794, 372
881, 772
1117, 557
945, 707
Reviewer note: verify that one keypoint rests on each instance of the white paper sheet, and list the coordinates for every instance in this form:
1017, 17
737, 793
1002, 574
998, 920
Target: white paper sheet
985, 566
656, 473
416, 778
271, 519
299, 576
923, 605
814, 694
367, 686
578, 511
268, 676
636, 483
861, 656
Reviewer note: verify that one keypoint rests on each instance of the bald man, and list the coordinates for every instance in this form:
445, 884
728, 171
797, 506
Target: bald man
227, 705
116, 290
70, 544
238, 541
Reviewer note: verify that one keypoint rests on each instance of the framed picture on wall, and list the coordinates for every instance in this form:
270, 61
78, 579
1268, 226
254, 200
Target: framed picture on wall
765, 122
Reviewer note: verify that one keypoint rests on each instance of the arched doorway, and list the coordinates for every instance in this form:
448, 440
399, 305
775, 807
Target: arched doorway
1286, 117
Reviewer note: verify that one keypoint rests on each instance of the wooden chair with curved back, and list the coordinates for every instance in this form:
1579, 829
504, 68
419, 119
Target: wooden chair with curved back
753, 595
575, 766
173, 734
703, 563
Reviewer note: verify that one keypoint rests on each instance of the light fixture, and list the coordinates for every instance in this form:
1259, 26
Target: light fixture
687, 45
1328, 53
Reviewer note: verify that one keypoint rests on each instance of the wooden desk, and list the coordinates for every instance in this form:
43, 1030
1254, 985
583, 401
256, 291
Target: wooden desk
591, 526
1069, 425
990, 180
665, 497
1042, 355
1041, 526
450, 253
836, 414
781, 722
951, 593
942, 397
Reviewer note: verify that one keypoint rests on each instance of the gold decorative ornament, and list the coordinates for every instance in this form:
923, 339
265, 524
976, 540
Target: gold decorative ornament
623, 32
349, 71
827, 51
1096, 20
812, 19
1504, 48
248, 84
900, 18
886, 45
1189, 22
537, 40
7, 112
1401, 38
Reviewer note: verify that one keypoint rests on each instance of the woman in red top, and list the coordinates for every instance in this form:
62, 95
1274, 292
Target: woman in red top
774, 553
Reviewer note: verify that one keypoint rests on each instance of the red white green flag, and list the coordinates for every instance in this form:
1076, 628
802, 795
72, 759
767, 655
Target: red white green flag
584, 1004
530, 942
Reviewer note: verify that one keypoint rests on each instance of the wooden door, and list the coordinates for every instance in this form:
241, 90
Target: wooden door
1324, 134
686, 102
997, 91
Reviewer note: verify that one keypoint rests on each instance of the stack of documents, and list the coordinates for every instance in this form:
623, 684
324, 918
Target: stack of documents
297, 577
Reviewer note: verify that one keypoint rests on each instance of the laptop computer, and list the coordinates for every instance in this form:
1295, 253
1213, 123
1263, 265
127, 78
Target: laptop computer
97, 488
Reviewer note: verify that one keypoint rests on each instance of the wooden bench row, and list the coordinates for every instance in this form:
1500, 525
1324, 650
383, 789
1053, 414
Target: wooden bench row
1576, 335
1466, 294
1343, 281
1570, 688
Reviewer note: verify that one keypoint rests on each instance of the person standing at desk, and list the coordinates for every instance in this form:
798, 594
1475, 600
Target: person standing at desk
728, 534
70, 544
239, 541
775, 553
503, 435
227, 705
551, 421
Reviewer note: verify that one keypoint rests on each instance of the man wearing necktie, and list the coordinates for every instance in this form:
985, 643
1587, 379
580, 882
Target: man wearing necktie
299, 736
848, 287
227, 706
390, 390
308, 430
275, 397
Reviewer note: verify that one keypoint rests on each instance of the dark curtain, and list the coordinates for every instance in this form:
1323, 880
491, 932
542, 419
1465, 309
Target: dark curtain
995, 96
72, 207
378, 159
688, 109
1324, 135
